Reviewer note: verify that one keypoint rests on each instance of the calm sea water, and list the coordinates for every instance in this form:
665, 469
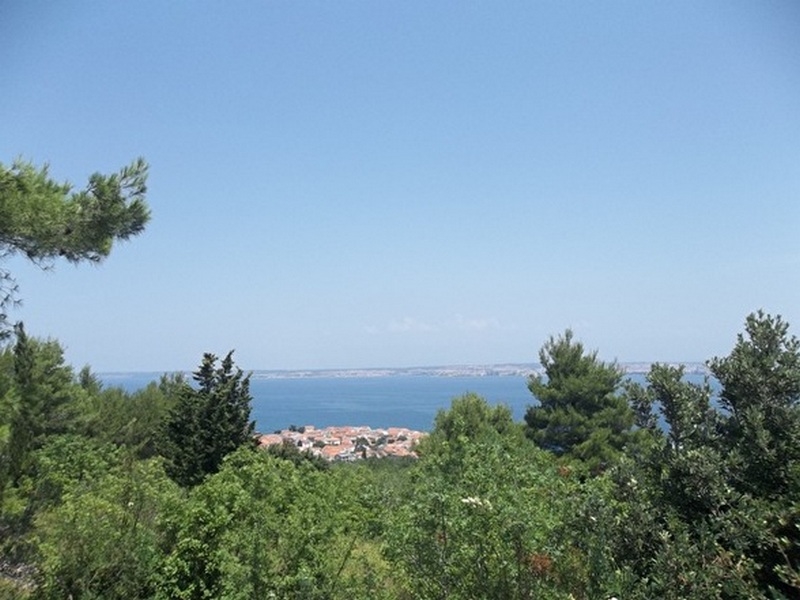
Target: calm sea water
399, 401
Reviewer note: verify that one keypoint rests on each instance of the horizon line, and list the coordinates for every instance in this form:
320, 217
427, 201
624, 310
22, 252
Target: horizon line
465, 369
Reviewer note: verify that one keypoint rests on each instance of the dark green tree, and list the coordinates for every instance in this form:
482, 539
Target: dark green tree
688, 458
209, 421
716, 493
44, 220
135, 420
760, 382
39, 403
579, 415
760, 397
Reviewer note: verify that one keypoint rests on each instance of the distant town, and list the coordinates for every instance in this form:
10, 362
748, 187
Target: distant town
351, 443
498, 370
347, 443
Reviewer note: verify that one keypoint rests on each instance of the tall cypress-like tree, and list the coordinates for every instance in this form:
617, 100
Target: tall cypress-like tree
39, 402
580, 414
209, 421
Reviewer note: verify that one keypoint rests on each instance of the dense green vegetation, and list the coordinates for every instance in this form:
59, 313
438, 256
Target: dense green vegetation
106, 494
163, 493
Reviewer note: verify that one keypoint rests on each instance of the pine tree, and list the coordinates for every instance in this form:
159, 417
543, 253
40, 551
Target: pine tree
209, 422
579, 414
45, 220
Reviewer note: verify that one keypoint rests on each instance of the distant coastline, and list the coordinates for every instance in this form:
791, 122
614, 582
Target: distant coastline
491, 370
404, 397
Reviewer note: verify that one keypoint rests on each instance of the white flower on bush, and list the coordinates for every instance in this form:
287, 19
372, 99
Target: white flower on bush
477, 502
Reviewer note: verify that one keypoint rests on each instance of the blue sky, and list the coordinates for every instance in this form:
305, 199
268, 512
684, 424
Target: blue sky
362, 184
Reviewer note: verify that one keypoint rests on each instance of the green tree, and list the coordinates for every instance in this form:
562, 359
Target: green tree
711, 507
760, 382
482, 517
104, 540
40, 402
671, 521
262, 527
692, 467
209, 422
134, 420
580, 414
288, 450
469, 418
45, 220
760, 397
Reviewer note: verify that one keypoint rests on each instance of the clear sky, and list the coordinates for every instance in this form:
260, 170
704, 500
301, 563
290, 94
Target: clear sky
375, 183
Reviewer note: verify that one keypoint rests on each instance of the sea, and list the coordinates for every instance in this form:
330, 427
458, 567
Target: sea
410, 401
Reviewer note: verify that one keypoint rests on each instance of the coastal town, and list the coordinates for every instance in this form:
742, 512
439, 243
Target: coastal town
350, 443
347, 443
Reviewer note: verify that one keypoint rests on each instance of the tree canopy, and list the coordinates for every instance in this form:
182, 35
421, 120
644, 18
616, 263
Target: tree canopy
760, 382
209, 422
720, 481
44, 220
705, 505
579, 414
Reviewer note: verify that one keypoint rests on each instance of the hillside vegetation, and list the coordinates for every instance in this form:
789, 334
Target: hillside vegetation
163, 493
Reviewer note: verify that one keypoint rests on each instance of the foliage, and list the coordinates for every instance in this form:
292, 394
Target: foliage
264, 527
719, 486
44, 220
579, 415
380, 487
209, 422
480, 517
64, 465
636, 545
469, 418
761, 395
700, 500
56, 430
37, 404
136, 420
39, 401
288, 450
103, 540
